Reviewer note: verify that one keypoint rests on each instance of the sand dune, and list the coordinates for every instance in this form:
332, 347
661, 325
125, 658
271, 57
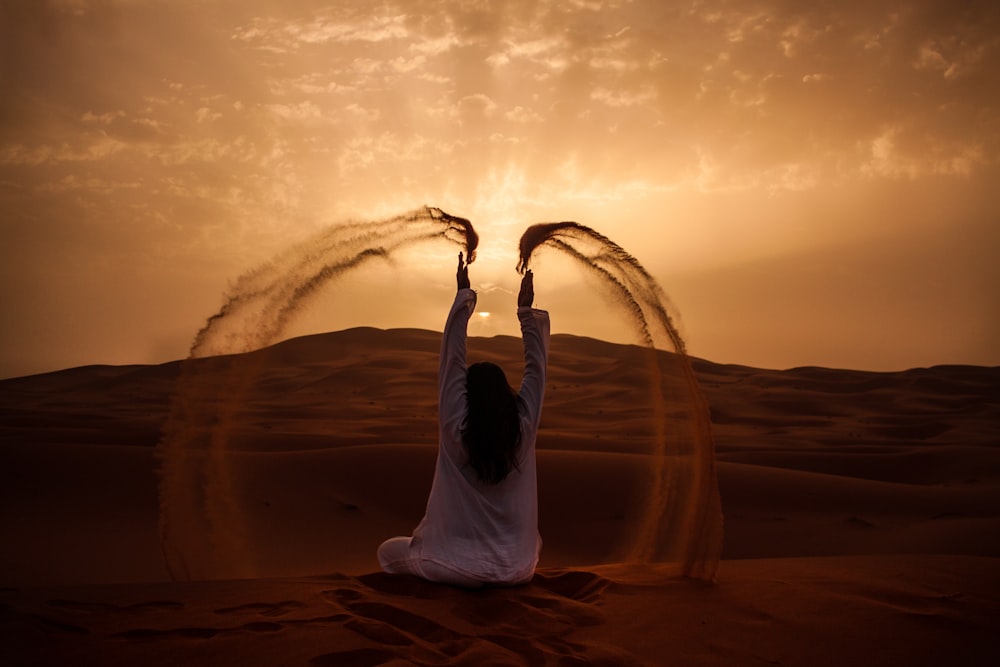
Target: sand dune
862, 517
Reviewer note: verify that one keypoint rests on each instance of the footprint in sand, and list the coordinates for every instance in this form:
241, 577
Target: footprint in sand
48, 625
95, 608
517, 626
264, 608
148, 634
342, 596
105, 607
394, 584
408, 636
572, 600
387, 624
573, 584
272, 610
362, 657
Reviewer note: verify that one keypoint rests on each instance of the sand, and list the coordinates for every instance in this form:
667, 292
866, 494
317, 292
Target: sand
862, 518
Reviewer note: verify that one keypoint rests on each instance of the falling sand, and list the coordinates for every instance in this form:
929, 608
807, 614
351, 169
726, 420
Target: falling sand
203, 528
679, 520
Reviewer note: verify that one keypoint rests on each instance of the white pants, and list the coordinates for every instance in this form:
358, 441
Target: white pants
397, 556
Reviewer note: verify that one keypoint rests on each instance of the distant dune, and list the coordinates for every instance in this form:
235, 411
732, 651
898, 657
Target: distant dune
862, 517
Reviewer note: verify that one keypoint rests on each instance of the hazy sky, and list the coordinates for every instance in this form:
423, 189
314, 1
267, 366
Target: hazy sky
811, 182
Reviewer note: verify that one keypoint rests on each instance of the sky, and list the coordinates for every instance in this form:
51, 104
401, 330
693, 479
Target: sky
810, 183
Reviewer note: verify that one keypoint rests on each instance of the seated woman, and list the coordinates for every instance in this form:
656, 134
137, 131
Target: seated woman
481, 522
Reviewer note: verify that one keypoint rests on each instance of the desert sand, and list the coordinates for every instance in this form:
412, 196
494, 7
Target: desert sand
862, 517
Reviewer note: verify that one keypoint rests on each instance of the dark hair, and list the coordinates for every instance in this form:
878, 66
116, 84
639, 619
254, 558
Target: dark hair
491, 432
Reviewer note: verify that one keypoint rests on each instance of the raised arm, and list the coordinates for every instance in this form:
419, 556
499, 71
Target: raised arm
453, 367
535, 337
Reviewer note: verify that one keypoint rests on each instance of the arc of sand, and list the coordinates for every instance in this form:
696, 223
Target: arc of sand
681, 521
202, 533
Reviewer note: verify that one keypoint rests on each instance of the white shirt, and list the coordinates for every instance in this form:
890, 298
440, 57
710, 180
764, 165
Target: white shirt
487, 532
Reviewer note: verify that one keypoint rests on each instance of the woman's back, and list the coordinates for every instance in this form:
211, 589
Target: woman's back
480, 528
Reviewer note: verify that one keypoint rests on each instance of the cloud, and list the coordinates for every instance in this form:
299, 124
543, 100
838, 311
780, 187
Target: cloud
75, 7
302, 111
613, 64
521, 115
952, 57
796, 37
740, 27
93, 148
148, 127
360, 113
104, 118
896, 153
404, 65
624, 98
312, 83
477, 104
551, 53
366, 152
93, 185
205, 115
282, 36
497, 60
435, 46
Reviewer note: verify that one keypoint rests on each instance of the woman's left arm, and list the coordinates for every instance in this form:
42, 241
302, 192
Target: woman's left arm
453, 368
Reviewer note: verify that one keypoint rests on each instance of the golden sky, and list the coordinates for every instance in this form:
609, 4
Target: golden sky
811, 183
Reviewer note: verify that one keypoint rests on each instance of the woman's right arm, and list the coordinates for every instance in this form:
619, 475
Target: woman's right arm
535, 337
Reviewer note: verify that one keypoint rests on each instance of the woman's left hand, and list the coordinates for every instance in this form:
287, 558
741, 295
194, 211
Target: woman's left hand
462, 277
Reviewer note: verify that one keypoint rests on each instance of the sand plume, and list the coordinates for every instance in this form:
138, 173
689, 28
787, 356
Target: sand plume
201, 525
680, 519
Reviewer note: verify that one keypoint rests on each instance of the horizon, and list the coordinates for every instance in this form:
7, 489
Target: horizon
513, 337
810, 186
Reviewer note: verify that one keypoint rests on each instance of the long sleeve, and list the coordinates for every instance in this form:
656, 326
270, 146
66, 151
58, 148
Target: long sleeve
535, 337
453, 366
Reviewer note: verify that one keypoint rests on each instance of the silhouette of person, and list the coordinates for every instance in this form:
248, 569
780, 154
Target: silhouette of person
481, 522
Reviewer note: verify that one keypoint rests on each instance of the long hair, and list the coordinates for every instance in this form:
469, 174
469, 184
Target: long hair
491, 432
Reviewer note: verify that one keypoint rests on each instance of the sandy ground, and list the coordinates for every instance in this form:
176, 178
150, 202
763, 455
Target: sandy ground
862, 517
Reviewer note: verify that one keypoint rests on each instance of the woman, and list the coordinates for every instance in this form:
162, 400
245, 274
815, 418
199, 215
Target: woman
481, 522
